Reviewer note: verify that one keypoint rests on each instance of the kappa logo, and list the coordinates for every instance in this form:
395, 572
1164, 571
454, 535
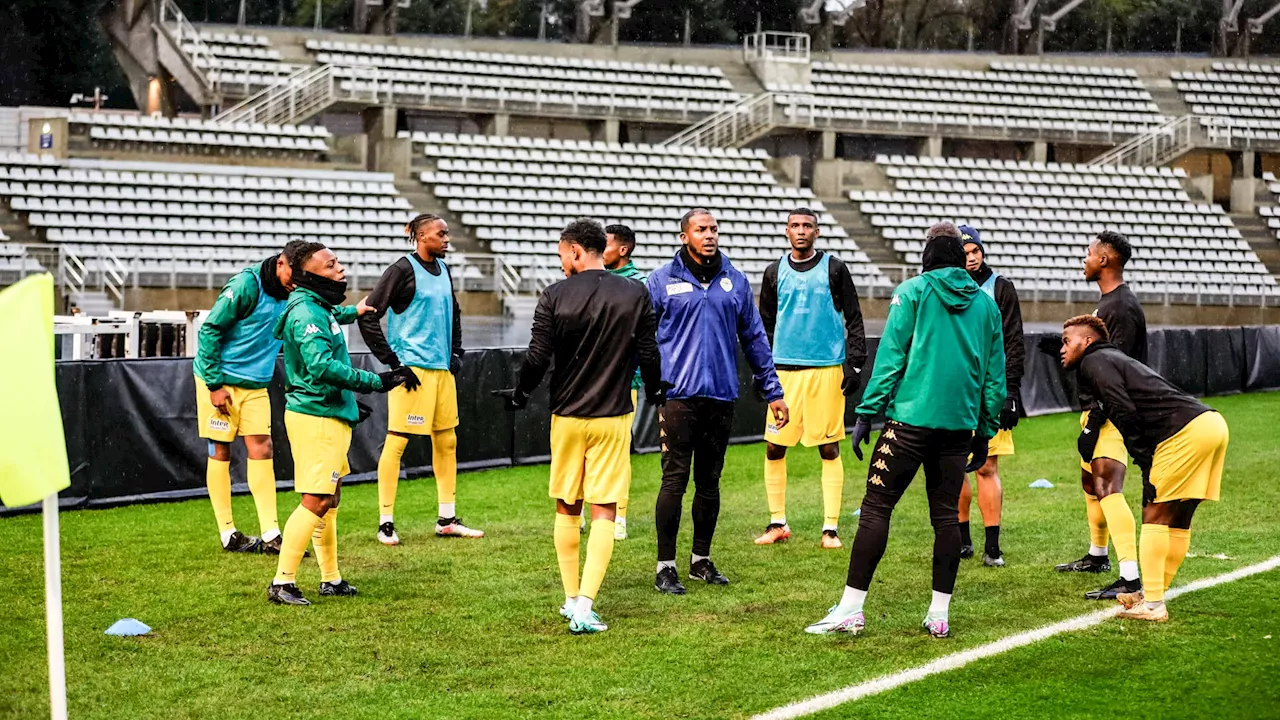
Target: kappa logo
884, 449
219, 425
415, 420
879, 465
875, 480
895, 301
311, 329
889, 435
1087, 431
229, 295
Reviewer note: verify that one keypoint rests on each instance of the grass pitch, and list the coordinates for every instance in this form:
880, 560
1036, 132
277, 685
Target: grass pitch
469, 629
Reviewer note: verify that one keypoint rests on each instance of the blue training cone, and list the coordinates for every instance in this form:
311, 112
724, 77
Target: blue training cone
1041, 484
128, 627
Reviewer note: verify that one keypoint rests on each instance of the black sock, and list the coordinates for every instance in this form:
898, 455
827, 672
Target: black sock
993, 541
964, 534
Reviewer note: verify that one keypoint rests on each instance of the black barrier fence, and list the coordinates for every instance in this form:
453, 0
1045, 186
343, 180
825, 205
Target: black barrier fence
131, 424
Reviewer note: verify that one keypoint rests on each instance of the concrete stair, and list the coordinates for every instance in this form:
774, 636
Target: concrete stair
15, 228
95, 303
1261, 239
1166, 97
425, 201
743, 80
520, 307
869, 239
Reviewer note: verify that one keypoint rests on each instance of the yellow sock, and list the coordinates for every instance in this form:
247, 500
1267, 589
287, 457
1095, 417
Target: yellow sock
1098, 534
568, 537
217, 478
599, 552
621, 511
325, 540
1122, 527
389, 472
444, 463
832, 487
1155, 552
1179, 543
775, 488
262, 483
297, 533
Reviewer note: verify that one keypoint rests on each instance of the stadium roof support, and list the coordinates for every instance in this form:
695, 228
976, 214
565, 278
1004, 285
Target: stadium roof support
1048, 23
837, 10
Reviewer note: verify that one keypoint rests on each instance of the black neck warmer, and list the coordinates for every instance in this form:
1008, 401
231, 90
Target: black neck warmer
270, 280
704, 273
331, 291
942, 252
981, 274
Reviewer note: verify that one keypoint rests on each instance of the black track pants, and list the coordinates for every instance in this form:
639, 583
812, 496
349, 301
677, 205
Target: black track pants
695, 434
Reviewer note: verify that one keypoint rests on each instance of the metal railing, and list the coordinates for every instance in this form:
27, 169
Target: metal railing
1157, 147
296, 98
114, 274
777, 47
186, 38
741, 123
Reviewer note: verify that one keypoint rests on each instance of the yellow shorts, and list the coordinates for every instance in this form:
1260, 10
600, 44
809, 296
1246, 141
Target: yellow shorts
635, 405
817, 408
1110, 444
590, 459
320, 446
433, 407
250, 413
1001, 445
1188, 466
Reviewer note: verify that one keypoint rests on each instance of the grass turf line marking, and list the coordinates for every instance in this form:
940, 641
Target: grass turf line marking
958, 660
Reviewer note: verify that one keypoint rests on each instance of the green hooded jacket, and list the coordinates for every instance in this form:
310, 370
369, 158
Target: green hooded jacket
940, 363
318, 377
631, 271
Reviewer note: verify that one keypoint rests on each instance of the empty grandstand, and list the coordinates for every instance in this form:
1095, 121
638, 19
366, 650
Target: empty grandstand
1244, 98
130, 132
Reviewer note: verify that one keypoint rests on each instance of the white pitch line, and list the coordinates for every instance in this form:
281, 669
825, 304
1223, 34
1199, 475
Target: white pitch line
960, 659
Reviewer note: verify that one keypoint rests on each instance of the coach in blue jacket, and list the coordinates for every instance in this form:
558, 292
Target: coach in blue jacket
704, 308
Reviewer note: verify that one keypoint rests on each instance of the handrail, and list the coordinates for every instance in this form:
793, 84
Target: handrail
186, 32
114, 273
734, 126
1155, 147
297, 97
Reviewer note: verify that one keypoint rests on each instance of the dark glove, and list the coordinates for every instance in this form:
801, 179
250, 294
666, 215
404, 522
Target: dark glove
513, 397
657, 397
1009, 415
392, 378
455, 364
852, 381
364, 410
411, 381
977, 453
861, 435
1051, 345
1086, 443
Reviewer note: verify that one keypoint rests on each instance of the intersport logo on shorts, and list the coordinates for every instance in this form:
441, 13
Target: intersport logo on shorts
415, 420
219, 425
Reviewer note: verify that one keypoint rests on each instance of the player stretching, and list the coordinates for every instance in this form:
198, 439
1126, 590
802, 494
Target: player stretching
1102, 474
939, 378
704, 309
617, 260
425, 329
1179, 443
319, 414
990, 492
810, 311
589, 329
235, 360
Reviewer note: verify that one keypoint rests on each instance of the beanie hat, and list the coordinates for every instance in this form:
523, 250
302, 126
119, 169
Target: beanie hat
942, 251
969, 234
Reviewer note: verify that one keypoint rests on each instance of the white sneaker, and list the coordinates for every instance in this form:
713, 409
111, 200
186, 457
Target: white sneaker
453, 527
838, 621
586, 624
387, 534
567, 609
620, 529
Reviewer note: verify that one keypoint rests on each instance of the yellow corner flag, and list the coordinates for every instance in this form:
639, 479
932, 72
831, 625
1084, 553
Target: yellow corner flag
33, 451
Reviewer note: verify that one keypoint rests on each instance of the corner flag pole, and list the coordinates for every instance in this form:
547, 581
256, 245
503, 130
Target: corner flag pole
53, 609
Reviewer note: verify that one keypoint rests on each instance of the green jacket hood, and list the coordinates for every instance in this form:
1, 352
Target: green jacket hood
297, 297
954, 287
628, 271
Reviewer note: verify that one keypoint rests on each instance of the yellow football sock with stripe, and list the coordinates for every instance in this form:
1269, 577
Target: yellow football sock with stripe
1098, 533
832, 488
444, 463
325, 539
297, 534
775, 488
1179, 544
217, 478
389, 473
1155, 552
262, 483
599, 552
1122, 527
621, 511
568, 538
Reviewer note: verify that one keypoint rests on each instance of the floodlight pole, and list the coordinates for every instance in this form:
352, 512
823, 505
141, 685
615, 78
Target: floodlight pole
240, 16
1049, 23
319, 5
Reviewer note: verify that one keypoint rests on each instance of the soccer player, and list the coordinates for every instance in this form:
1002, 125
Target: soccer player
590, 329
990, 491
1178, 442
425, 329
320, 411
620, 245
1102, 474
704, 308
939, 378
811, 314
235, 360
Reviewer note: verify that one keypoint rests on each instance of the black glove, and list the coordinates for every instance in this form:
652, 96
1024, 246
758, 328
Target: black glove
1009, 415
455, 364
364, 410
1086, 443
411, 381
1051, 345
852, 381
392, 378
657, 397
861, 435
977, 453
513, 397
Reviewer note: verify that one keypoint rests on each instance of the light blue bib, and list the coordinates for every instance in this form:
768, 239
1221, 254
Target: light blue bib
250, 350
989, 287
422, 336
809, 330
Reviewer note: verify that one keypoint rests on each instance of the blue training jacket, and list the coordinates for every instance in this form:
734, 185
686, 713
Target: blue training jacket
698, 331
